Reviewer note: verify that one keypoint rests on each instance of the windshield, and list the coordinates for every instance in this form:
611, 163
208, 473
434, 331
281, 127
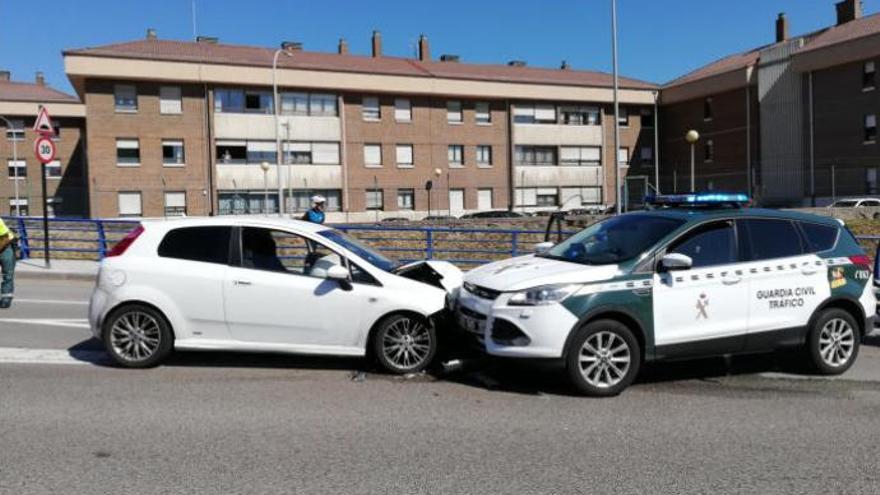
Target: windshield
355, 246
614, 240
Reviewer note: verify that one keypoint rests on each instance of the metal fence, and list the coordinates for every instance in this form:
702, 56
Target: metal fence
85, 239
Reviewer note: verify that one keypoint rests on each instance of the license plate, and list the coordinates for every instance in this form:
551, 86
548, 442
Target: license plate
469, 324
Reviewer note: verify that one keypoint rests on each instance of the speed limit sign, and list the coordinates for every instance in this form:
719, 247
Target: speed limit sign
44, 148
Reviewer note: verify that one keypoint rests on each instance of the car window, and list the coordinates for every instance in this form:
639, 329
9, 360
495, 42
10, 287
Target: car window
205, 244
844, 204
871, 202
708, 245
770, 238
820, 237
279, 251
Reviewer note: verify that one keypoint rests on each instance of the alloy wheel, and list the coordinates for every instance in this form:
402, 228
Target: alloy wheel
604, 359
836, 342
406, 343
135, 336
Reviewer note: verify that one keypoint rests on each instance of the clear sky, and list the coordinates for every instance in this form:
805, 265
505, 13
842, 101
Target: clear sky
659, 39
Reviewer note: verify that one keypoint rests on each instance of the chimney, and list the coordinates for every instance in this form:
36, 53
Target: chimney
40, 79
564, 65
377, 44
342, 48
5, 75
848, 10
210, 40
781, 27
446, 57
424, 50
291, 46
517, 63
151, 33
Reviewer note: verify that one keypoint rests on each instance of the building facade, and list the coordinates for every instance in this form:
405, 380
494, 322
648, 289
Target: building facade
190, 128
793, 122
66, 176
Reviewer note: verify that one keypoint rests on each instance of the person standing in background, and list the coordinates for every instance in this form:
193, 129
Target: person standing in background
7, 265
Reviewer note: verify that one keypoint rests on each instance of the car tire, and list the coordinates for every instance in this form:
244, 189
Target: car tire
137, 336
833, 342
404, 343
603, 359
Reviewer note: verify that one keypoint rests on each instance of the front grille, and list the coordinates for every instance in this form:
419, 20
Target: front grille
481, 292
506, 333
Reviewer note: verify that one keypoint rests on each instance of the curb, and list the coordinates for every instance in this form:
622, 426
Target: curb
49, 275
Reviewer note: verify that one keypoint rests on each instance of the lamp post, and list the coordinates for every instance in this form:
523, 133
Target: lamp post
15, 168
692, 137
437, 174
616, 107
276, 111
265, 167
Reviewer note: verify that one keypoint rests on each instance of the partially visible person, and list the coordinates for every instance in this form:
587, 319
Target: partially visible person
7, 265
316, 213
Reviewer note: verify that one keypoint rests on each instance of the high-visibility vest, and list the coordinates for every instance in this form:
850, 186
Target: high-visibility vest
4, 230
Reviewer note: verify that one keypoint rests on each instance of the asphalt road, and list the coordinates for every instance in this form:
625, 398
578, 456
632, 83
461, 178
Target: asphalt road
228, 423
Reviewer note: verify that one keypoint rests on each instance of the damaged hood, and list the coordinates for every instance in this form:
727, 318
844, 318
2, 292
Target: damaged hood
443, 273
525, 272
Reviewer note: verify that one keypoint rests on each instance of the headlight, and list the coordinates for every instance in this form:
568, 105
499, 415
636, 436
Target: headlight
546, 294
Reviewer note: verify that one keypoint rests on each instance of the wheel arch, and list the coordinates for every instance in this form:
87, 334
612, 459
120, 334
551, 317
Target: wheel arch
138, 302
368, 347
620, 315
848, 304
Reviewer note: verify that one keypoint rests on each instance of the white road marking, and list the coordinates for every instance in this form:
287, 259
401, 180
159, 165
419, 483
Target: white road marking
52, 322
19, 355
49, 301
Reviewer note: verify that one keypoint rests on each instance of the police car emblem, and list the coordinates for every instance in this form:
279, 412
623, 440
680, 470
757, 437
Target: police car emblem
702, 304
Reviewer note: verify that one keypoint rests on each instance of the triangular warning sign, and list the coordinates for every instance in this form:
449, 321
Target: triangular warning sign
43, 125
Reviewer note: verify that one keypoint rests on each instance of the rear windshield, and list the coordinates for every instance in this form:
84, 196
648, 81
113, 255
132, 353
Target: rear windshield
614, 240
205, 244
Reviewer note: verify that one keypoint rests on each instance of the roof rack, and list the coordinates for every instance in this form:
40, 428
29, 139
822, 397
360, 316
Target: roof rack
699, 200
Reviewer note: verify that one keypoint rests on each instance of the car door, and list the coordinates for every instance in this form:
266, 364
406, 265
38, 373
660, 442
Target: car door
702, 310
190, 271
786, 282
278, 293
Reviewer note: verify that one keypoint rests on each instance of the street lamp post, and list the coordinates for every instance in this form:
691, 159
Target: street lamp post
616, 107
276, 111
692, 137
265, 167
15, 167
437, 174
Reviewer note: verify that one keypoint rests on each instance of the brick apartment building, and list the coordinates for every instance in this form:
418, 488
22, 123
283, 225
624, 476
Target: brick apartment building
794, 122
66, 176
186, 127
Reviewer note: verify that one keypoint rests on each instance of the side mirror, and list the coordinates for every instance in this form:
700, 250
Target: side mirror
675, 261
543, 247
338, 273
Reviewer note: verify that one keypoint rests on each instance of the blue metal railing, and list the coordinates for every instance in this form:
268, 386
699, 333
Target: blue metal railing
91, 239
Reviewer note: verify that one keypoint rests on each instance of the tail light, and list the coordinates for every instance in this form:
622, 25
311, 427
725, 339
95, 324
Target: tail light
120, 247
862, 260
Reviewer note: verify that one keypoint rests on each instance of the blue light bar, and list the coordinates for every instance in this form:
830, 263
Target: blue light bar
713, 198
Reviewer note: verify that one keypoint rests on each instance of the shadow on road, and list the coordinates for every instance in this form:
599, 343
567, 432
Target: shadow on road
471, 368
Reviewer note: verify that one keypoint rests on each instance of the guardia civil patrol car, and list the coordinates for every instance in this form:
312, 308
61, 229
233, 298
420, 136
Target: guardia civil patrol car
695, 275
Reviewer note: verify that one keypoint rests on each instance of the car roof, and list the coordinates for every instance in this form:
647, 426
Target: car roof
698, 214
234, 220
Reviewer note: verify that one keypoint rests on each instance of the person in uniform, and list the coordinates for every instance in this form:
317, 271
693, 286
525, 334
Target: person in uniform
316, 213
7, 265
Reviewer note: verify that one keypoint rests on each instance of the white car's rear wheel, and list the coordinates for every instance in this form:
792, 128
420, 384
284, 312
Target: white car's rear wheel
404, 343
833, 343
137, 336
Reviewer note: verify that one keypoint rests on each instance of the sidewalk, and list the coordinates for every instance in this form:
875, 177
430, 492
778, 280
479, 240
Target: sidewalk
35, 269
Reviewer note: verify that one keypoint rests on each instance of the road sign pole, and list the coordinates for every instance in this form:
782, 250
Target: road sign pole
45, 217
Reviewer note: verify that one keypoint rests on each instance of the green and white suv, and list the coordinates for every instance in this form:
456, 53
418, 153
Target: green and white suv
696, 276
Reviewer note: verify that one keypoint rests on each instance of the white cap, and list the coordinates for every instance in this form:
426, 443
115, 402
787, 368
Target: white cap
318, 199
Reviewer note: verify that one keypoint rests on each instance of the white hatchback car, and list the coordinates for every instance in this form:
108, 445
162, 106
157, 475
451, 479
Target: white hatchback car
247, 284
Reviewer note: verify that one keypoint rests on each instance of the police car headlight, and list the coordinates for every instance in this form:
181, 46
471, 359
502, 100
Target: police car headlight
546, 294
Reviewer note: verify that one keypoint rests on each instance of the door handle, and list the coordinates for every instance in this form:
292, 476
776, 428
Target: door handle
241, 282
731, 279
809, 270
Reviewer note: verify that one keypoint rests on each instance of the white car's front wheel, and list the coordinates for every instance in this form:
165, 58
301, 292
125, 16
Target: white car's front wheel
404, 343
